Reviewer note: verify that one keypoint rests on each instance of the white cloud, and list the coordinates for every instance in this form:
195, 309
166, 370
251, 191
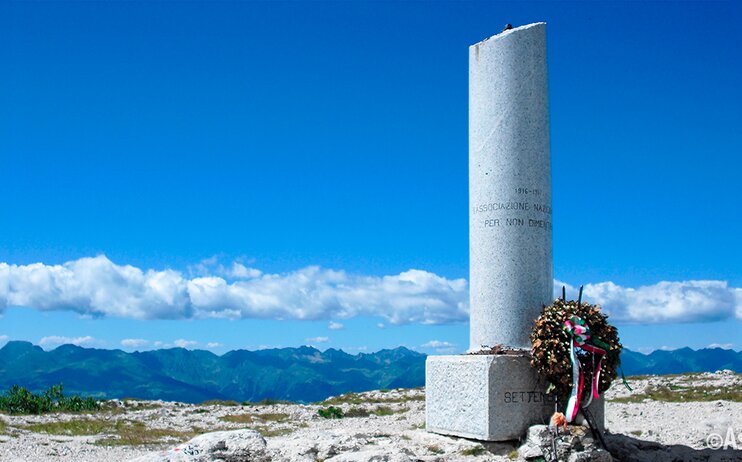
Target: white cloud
686, 301
212, 266
213, 345
4, 339
334, 325
240, 271
265, 347
649, 350
440, 346
381, 325
56, 340
95, 287
183, 343
358, 349
723, 346
436, 344
318, 340
134, 342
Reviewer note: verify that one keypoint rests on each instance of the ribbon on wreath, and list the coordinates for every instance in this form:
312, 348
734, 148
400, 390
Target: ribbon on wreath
579, 335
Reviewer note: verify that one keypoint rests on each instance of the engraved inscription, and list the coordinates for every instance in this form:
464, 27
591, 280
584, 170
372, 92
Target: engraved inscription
524, 397
538, 216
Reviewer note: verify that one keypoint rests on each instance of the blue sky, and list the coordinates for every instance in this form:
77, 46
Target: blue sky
256, 174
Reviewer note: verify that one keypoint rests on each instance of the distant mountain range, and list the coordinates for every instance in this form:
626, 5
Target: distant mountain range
302, 374
297, 374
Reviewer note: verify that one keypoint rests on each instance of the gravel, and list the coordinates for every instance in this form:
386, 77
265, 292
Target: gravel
295, 432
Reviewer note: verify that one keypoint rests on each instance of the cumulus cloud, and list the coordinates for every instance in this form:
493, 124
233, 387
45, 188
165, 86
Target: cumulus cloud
212, 266
95, 286
436, 344
98, 287
134, 342
439, 346
240, 271
183, 343
4, 339
213, 345
318, 340
56, 340
685, 301
334, 325
723, 346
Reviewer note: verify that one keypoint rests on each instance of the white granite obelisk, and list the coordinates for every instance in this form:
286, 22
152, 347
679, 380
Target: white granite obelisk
509, 187
488, 396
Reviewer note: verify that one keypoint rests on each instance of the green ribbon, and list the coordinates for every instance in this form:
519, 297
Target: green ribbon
612, 353
623, 379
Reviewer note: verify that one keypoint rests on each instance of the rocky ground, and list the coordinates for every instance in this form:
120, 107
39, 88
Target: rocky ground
664, 418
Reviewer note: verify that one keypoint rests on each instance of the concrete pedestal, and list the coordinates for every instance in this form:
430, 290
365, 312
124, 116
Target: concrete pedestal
487, 397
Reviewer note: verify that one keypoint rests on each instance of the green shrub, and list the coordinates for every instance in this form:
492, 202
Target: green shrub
331, 412
19, 400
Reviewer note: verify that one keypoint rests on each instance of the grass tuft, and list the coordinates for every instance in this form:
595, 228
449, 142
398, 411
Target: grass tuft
220, 402
77, 427
130, 433
475, 451
120, 432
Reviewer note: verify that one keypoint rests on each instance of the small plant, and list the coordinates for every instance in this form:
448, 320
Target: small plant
475, 451
19, 400
331, 412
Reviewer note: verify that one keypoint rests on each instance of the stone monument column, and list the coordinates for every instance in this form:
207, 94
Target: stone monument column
510, 253
496, 397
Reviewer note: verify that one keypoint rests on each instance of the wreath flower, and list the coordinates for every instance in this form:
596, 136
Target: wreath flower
569, 329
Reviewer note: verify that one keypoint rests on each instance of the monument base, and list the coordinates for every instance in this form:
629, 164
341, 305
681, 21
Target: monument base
488, 397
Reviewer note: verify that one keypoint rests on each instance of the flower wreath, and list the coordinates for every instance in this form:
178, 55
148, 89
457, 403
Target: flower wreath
576, 350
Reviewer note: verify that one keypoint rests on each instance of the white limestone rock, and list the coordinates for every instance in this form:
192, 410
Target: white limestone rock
223, 446
369, 456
